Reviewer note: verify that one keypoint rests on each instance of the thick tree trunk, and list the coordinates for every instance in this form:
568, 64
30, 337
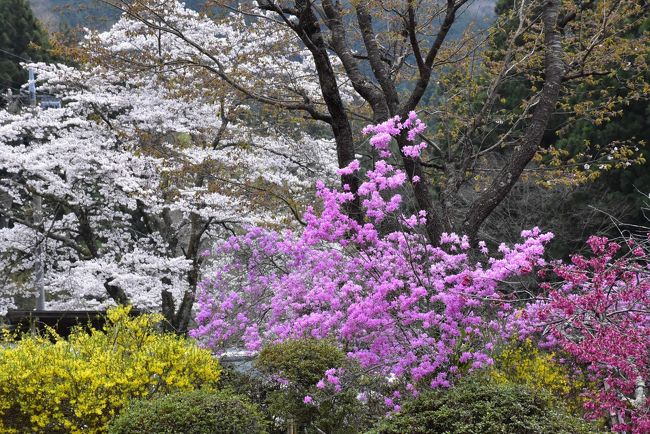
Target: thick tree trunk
181, 319
309, 32
116, 293
526, 149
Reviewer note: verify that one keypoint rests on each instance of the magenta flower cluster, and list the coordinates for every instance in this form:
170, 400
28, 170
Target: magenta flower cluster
398, 305
599, 315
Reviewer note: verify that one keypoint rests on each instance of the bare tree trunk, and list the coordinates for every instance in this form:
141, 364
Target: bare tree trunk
116, 293
494, 194
309, 31
37, 202
639, 393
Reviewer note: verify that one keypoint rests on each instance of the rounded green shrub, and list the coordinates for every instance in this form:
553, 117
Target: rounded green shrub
196, 412
474, 406
301, 361
292, 370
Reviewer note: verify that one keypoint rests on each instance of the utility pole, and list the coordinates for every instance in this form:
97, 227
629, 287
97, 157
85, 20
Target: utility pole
37, 204
32, 87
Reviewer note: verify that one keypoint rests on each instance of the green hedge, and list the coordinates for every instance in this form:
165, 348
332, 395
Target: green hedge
196, 412
476, 407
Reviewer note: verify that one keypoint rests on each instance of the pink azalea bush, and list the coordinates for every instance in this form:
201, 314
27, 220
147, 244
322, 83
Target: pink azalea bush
425, 314
401, 307
599, 315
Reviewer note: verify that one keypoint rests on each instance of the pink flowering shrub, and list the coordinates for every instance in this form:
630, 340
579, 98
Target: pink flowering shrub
399, 306
599, 315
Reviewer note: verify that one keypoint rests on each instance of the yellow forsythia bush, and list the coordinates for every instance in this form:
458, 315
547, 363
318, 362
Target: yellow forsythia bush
524, 363
77, 385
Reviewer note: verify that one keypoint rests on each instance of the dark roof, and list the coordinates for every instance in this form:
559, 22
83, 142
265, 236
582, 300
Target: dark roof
60, 320
14, 316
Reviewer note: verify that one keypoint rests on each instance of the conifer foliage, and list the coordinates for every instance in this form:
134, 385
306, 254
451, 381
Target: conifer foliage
21, 39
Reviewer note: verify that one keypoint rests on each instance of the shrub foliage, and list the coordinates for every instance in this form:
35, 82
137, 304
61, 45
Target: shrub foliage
312, 383
523, 362
77, 385
475, 407
195, 412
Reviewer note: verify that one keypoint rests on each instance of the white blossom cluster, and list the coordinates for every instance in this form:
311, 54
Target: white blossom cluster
150, 159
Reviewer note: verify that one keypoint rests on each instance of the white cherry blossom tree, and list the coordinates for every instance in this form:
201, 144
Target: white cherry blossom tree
116, 194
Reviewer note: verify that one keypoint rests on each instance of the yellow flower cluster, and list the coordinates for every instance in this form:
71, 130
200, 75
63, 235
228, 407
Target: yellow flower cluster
524, 363
77, 385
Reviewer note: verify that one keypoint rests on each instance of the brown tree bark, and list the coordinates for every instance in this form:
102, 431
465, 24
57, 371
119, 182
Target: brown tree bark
309, 31
493, 195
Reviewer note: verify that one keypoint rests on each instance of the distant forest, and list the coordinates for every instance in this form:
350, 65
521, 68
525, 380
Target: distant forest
63, 15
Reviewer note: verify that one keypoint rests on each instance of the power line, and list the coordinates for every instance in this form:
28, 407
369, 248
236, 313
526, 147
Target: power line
10, 84
15, 55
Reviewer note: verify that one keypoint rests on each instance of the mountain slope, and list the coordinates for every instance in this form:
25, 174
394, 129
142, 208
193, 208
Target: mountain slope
62, 14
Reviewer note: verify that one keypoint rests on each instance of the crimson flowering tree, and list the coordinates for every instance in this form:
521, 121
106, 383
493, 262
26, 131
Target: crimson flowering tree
396, 304
599, 315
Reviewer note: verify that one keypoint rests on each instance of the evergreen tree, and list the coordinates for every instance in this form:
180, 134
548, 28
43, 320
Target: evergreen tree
21, 39
628, 126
